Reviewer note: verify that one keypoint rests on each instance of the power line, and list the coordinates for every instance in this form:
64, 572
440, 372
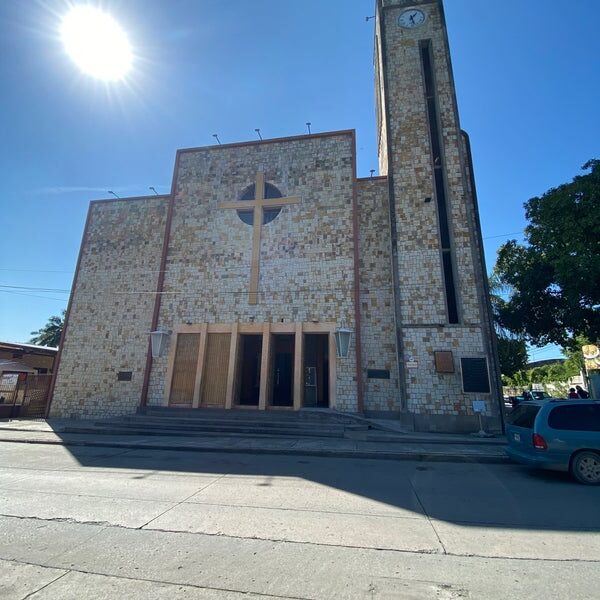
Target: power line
33, 289
34, 271
34, 296
491, 237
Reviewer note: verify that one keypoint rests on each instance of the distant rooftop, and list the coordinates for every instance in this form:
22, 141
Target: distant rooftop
28, 347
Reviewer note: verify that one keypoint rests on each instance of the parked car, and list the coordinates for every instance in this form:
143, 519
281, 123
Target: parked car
561, 435
531, 395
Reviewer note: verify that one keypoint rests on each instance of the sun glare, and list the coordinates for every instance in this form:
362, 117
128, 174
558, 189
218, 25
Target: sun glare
96, 43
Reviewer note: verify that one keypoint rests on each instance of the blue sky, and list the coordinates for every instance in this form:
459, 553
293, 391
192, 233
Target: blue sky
526, 74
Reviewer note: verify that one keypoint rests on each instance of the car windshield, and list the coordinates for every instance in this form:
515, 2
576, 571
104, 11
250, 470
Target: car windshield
523, 416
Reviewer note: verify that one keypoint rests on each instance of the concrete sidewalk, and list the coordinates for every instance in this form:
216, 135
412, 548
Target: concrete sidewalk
98, 523
378, 445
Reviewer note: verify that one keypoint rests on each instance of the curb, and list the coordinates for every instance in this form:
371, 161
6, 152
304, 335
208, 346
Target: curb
400, 439
399, 456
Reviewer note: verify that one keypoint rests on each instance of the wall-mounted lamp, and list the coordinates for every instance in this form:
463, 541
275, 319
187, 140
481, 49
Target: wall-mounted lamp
342, 341
159, 341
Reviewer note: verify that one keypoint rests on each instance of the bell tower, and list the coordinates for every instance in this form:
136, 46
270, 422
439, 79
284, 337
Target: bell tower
445, 340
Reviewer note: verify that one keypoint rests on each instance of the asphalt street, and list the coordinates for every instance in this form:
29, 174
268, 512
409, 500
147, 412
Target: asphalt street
84, 522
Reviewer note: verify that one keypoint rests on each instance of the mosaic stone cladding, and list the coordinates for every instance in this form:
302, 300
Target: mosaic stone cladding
306, 258
338, 239
420, 278
376, 296
111, 309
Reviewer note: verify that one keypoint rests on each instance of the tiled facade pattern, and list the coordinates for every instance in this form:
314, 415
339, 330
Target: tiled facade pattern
420, 271
376, 297
111, 310
306, 260
306, 257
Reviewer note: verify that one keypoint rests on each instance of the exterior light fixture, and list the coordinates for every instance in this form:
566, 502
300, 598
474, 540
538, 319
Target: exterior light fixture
159, 341
342, 341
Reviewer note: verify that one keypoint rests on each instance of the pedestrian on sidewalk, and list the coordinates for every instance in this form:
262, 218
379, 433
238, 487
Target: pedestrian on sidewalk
573, 395
582, 393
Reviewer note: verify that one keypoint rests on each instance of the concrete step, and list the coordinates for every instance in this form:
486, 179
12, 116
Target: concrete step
165, 421
205, 430
212, 413
212, 426
312, 415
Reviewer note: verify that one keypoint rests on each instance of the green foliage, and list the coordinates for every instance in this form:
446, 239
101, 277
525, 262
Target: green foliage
512, 354
556, 374
512, 349
49, 334
554, 279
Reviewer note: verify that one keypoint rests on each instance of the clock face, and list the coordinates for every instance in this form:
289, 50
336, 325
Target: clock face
411, 18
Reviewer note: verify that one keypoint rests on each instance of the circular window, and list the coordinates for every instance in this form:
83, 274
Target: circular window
271, 192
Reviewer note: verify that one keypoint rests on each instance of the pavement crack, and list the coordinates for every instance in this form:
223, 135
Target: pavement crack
437, 535
68, 520
306, 510
148, 580
183, 501
427, 551
46, 585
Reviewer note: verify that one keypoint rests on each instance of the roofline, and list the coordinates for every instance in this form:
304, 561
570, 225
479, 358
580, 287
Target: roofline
129, 198
307, 136
375, 178
32, 347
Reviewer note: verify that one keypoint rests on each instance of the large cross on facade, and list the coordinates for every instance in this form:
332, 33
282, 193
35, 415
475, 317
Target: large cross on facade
258, 204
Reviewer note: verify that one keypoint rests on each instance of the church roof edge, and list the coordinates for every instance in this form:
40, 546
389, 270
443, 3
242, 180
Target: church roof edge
307, 136
124, 198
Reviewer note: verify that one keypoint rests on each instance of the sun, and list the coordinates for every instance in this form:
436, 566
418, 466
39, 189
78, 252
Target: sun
96, 43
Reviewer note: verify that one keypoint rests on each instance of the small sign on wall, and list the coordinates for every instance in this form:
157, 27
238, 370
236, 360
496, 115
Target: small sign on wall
444, 362
378, 373
479, 407
9, 380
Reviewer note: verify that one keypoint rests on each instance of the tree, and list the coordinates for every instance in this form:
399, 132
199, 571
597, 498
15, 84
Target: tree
49, 334
512, 354
512, 349
554, 278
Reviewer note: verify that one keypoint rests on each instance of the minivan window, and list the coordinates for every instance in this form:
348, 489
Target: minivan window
575, 417
524, 415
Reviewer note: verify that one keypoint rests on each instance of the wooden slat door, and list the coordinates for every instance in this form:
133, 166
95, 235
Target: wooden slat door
184, 369
216, 367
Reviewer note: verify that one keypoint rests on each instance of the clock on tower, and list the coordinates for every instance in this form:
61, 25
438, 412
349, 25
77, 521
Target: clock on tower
441, 299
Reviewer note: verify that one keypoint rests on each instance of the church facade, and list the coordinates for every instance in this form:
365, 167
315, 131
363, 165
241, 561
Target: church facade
265, 252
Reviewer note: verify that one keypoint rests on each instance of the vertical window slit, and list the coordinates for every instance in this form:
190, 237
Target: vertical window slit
439, 184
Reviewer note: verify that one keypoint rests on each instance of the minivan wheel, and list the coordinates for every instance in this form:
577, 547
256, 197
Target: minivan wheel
585, 467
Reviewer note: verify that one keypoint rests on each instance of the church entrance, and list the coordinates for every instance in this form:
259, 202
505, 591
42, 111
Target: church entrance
282, 374
214, 388
260, 366
249, 370
316, 370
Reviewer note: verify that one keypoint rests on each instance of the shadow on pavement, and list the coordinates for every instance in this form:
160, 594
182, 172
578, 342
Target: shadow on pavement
464, 493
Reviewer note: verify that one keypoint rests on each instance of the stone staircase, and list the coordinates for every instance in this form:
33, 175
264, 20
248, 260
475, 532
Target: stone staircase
159, 421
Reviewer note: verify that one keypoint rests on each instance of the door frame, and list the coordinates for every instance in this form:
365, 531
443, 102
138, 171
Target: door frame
266, 329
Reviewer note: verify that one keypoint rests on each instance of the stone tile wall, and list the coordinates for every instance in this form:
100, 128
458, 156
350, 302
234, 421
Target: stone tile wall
111, 311
376, 296
420, 273
306, 261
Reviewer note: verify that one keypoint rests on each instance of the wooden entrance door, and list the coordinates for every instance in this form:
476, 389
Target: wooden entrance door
216, 367
184, 369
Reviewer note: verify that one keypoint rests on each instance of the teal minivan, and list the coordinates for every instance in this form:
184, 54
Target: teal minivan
561, 435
